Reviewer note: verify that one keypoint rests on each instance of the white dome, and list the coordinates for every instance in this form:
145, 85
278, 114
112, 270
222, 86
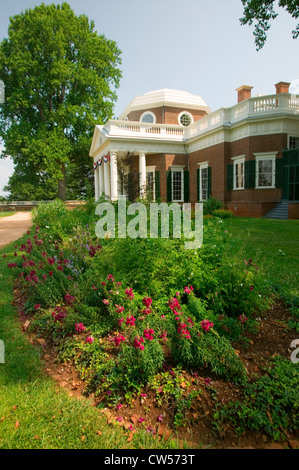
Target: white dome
166, 97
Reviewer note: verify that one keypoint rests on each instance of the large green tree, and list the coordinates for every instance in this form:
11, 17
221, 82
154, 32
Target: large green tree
261, 12
60, 79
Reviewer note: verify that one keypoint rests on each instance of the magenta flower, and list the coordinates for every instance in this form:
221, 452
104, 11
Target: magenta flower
147, 301
243, 318
37, 306
119, 309
89, 339
110, 278
118, 339
106, 301
207, 381
130, 321
119, 419
144, 395
148, 334
80, 327
118, 406
103, 283
129, 293
140, 420
206, 325
251, 288
138, 343
159, 418
188, 290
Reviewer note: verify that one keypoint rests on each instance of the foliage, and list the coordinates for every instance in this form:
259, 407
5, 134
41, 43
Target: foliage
270, 404
262, 12
57, 87
223, 214
210, 205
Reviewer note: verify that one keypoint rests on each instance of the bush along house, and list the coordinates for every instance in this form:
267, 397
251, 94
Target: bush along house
169, 145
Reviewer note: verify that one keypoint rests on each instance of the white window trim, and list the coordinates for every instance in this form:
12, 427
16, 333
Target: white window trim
265, 156
236, 161
202, 166
179, 168
180, 115
152, 114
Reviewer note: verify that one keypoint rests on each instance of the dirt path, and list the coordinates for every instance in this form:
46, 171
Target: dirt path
13, 227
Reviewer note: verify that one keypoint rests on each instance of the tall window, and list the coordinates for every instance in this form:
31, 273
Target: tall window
265, 171
203, 182
177, 184
239, 173
293, 142
150, 182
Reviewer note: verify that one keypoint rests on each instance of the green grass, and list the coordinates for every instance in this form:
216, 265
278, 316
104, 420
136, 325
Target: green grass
274, 246
48, 417
6, 213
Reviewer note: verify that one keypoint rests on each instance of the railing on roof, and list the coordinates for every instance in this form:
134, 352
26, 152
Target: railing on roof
251, 108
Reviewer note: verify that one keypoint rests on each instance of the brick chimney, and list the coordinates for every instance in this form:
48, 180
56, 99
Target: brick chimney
244, 92
282, 87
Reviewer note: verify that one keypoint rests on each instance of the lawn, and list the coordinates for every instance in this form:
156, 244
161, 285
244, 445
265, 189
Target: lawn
274, 246
6, 213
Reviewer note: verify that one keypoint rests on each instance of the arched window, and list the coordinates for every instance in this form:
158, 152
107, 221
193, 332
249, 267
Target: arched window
148, 116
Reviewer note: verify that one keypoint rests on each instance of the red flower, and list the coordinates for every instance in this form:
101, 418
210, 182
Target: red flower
129, 293
147, 301
37, 306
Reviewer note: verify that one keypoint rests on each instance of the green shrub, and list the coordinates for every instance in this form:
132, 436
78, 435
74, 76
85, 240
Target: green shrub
223, 214
211, 205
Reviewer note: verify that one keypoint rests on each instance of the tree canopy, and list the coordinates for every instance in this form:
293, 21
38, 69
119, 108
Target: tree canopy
60, 80
261, 12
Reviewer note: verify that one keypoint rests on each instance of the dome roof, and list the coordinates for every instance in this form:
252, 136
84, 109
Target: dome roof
166, 97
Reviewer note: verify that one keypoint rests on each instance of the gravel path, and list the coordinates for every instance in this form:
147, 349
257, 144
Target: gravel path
13, 227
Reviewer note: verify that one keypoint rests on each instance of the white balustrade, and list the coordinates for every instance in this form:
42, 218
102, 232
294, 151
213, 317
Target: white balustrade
261, 105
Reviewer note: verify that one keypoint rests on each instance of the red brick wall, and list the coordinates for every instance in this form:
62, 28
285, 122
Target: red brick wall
166, 114
293, 210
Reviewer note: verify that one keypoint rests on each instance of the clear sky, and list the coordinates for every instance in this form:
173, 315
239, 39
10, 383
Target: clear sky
197, 46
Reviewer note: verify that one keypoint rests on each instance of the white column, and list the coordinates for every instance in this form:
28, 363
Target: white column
142, 174
96, 182
101, 179
107, 179
113, 176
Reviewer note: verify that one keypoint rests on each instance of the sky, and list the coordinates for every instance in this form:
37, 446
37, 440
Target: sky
197, 46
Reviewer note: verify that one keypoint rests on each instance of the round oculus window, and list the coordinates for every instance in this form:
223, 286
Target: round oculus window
185, 118
148, 116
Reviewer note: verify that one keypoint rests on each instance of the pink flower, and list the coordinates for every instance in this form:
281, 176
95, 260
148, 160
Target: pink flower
94, 287
138, 343
110, 278
120, 321
129, 293
131, 427
251, 288
119, 283
106, 301
51, 273
130, 321
147, 301
207, 381
119, 309
159, 418
144, 395
206, 325
163, 336
37, 306
140, 420
80, 327
89, 339
146, 311
118, 406
148, 334
243, 318
119, 419
188, 290
103, 283
118, 339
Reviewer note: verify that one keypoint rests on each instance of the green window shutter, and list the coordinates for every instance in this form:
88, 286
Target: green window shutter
157, 185
209, 181
168, 185
230, 176
186, 186
198, 184
249, 174
279, 173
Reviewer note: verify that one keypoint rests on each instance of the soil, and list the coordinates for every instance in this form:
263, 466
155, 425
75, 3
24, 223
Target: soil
273, 338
